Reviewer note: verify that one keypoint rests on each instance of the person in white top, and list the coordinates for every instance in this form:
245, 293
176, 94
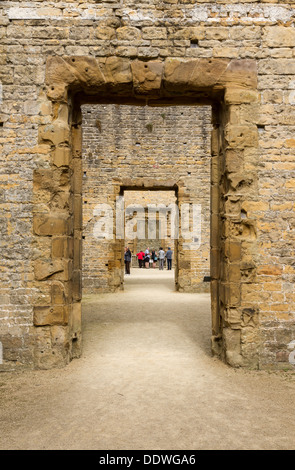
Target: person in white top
147, 258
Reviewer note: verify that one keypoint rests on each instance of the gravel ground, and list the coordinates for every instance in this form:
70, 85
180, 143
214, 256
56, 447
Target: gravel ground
147, 381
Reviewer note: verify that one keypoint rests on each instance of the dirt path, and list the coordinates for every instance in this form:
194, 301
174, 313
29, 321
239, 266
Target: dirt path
147, 381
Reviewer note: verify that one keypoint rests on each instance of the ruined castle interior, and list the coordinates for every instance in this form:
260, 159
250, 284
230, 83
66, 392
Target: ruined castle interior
184, 102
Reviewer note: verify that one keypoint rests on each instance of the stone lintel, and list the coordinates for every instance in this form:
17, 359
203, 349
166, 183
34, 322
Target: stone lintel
161, 77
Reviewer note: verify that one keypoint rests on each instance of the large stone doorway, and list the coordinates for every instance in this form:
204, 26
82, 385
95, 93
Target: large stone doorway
230, 88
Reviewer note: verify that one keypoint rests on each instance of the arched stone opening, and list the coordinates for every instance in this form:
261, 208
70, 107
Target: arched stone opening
229, 86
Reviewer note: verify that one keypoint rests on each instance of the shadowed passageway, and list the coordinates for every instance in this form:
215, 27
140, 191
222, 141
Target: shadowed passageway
147, 380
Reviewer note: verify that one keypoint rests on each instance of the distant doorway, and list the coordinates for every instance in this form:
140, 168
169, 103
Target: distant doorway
149, 233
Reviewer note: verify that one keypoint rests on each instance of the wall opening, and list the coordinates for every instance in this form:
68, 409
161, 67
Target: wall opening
149, 230
151, 150
230, 87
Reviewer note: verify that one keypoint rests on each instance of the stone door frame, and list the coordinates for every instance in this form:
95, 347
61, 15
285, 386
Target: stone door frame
152, 184
230, 86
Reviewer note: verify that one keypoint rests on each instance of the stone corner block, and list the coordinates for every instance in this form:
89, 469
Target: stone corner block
48, 225
50, 315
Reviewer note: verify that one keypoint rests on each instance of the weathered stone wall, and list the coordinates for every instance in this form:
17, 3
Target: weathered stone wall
171, 143
257, 316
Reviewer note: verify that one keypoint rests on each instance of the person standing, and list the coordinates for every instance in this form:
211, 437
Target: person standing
161, 258
154, 258
169, 253
147, 258
140, 257
127, 259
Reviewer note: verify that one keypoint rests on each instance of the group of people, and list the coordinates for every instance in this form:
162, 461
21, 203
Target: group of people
148, 259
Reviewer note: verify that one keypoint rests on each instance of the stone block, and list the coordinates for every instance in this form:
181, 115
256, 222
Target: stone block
270, 270
77, 175
239, 72
188, 33
77, 285
215, 195
76, 318
78, 253
52, 180
215, 142
232, 346
242, 182
234, 161
62, 247
232, 340
152, 32
232, 295
241, 136
128, 33
233, 318
234, 272
48, 225
87, 71
61, 156
215, 231
240, 95
232, 207
214, 288
278, 36
105, 33
57, 92
57, 133
117, 71
77, 212
250, 317
234, 359
215, 263
232, 250
147, 76
58, 295
59, 336
50, 315
12, 347
215, 164
194, 74
45, 269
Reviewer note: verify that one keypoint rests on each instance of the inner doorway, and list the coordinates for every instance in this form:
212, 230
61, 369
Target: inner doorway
151, 234
132, 149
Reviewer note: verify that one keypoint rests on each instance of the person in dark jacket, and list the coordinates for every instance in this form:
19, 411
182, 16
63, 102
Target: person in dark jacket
127, 260
169, 253
154, 258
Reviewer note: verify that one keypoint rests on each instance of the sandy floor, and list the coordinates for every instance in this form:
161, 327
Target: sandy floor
147, 381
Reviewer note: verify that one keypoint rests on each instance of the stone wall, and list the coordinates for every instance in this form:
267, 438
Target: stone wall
120, 142
254, 186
